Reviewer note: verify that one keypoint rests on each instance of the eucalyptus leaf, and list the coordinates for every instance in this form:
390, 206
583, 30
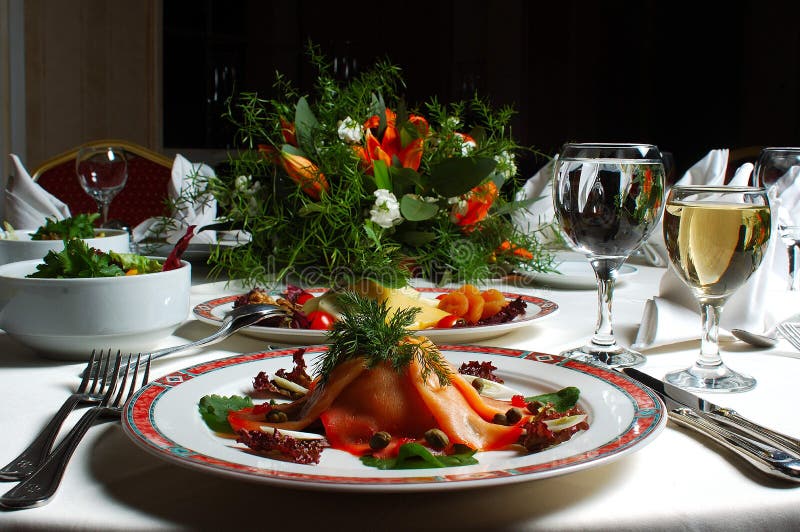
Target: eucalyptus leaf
458, 175
305, 123
414, 209
292, 150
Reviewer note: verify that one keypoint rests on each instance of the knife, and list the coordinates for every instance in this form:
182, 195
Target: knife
717, 413
761, 453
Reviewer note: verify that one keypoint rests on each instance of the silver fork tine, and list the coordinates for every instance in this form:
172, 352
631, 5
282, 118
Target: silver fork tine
791, 333
43, 483
28, 460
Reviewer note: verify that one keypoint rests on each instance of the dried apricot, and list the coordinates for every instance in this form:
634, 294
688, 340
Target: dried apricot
454, 303
476, 305
494, 301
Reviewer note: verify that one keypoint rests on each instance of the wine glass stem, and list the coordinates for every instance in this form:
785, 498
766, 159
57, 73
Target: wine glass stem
604, 332
709, 342
794, 266
102, 206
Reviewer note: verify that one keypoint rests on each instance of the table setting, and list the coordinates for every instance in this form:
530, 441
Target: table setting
598, 303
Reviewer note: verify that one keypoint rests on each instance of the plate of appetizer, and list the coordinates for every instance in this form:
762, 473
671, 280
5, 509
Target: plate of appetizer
445, 315
498, 416
575, 275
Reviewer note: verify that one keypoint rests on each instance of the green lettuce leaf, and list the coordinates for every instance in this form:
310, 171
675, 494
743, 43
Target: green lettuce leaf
561, 400
214, 410
416, 456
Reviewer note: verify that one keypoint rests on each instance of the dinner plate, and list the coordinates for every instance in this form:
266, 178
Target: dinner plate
623, 416
575, 274
214, 311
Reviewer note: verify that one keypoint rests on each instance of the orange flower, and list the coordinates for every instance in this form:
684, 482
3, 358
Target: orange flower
390, 146
479, 200
304, 173
516, 250
288, 132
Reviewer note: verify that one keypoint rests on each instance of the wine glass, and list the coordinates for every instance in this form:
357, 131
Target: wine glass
716, 238
607, 198
102, 172
777, 169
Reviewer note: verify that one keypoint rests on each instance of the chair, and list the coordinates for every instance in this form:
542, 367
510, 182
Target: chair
145, 193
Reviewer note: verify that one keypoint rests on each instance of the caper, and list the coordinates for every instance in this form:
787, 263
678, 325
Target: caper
437, 439
500, 419
379, 440
534, 407
276, 416
478, 384
513, 415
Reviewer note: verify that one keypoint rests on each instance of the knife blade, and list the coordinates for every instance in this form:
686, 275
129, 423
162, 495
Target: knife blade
767, 458
717, 413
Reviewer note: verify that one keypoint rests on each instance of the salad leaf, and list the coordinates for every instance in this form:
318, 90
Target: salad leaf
561, 400
139, 263
79, 226
416, 456
214, 410
77, 259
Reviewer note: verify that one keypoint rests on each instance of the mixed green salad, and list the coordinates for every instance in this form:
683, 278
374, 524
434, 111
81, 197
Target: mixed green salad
79, 226
79, 260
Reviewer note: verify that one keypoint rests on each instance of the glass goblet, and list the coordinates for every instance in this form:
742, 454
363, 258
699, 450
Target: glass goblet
716, 238
102, 172
777, 169
608, 199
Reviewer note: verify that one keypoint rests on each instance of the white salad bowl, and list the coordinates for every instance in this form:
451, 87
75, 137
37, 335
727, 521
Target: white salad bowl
67, 318
23, 248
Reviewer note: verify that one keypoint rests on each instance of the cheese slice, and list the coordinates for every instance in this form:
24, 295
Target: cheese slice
398, 298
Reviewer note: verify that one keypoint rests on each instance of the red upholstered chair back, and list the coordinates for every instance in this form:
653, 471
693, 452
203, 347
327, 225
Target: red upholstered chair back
144, 195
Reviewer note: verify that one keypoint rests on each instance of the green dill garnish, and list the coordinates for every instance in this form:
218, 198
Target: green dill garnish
366, 330
79, 226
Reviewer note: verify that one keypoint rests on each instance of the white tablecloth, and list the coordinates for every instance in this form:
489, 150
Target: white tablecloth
678, 481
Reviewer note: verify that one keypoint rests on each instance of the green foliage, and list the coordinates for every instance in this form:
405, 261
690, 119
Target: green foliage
319, 241
561, 400
77, 259
79, 226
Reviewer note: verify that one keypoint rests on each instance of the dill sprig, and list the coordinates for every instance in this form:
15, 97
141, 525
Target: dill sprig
366, 330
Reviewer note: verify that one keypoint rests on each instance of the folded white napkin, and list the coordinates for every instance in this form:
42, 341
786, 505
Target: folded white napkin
674, 315
539, 214
26, 204
188, 181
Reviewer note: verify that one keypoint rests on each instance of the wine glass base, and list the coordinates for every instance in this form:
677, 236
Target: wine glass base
720, 379
614, 356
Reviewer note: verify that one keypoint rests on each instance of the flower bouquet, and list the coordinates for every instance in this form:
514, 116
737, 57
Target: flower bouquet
352, 183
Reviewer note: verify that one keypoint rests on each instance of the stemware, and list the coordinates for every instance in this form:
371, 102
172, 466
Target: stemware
607, 198
102, 172
777, 169
716, 238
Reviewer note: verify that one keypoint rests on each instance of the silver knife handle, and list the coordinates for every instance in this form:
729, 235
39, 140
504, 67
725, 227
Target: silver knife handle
731, 417
773, 462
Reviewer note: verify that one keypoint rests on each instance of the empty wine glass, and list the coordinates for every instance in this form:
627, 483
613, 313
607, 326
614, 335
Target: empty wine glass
716, 238
777, 169
607, 198
102, 172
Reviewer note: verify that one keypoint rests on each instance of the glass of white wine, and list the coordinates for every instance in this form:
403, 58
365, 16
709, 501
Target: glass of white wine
608, 199
716, 238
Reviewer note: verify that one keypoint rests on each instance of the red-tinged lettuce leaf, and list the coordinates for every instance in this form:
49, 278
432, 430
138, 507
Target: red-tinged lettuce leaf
173, 262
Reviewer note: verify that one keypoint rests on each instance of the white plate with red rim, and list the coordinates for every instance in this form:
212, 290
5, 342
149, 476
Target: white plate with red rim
215, 310
623, 416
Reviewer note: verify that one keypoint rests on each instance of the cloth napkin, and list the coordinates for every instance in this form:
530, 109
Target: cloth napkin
188, 180
27, 205
674, 315
539, 214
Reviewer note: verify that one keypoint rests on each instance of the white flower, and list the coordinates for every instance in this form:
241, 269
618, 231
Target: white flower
467, 145
453, 122
242, 182
350, 131
386, 211
506, 166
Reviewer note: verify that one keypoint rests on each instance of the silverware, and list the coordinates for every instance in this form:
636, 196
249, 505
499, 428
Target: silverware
238, 318
715, 412
754, 339
89, 391
791, 332
40, 486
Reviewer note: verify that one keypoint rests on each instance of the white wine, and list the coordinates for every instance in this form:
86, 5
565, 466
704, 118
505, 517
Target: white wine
716, 247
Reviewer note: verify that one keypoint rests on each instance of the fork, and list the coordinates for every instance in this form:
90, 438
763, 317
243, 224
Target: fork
791, 332
40, 486
90, 391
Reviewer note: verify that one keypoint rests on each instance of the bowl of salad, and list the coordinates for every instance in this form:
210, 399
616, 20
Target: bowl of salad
79, 299
28, 244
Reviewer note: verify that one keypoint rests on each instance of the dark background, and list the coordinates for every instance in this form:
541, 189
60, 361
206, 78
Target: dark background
688, 77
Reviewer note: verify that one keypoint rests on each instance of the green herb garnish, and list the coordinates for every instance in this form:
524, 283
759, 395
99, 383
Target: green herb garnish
214, 410
561, 400
79, 226
79, 260
366, 330
416, 456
